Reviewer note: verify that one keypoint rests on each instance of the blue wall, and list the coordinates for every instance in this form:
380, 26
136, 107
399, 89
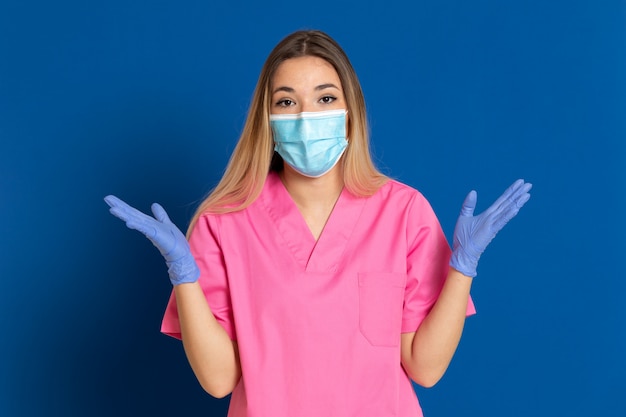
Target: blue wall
145, 99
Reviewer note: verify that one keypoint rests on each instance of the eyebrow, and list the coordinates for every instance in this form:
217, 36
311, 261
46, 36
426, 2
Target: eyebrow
318, 88
325, 86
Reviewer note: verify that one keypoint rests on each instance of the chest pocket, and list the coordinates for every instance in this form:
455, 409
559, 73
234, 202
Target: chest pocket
381, 296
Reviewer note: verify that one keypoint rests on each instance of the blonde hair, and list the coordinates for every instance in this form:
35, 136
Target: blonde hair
254, 157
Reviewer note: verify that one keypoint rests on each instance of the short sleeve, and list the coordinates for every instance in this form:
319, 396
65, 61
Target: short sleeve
428, 260
206, 250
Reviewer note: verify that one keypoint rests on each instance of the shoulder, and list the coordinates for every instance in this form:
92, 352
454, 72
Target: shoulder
403, 201
399, 193
269, 190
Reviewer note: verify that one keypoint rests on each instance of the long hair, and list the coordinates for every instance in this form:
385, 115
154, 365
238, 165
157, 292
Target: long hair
254, 157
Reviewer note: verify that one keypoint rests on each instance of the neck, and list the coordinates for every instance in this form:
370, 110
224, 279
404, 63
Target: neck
311, 193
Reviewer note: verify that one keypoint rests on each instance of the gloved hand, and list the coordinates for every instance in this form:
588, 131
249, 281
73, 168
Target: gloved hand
170, 241
472, 233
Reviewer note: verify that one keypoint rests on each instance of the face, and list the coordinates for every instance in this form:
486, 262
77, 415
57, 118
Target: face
306, 84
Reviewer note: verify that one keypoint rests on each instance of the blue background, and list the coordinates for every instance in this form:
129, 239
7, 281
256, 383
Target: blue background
145, 100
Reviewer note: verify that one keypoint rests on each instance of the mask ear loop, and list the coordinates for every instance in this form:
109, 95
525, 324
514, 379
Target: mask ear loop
343, 155
277, 163
347, 127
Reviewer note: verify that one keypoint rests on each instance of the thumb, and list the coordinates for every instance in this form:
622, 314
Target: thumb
159, 213
469, 204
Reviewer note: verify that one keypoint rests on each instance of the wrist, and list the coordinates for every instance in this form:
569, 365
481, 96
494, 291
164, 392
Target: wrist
184, 270
463, 262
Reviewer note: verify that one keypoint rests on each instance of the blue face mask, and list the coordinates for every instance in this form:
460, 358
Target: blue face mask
310, 142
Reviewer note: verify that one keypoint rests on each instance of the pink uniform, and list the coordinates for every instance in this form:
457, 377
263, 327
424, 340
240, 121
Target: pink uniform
318, 324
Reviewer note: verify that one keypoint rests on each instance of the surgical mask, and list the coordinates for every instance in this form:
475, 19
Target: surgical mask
310, 142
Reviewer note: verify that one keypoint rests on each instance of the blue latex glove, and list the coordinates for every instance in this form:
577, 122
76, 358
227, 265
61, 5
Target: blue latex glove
164, 234
472, 233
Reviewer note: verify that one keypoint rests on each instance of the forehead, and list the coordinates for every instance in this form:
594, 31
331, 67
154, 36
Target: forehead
305, 71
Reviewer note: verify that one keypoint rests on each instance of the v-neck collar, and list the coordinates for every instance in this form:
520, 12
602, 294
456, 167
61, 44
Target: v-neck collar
324, 254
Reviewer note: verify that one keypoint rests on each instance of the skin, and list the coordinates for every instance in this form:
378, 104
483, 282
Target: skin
309, 84
312, 84
213, 357
427, 352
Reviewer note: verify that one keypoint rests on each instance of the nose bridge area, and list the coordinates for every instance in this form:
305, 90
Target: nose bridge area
306, 105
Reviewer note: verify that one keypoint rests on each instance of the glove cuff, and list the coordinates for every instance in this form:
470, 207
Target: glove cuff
464, 263
184, 270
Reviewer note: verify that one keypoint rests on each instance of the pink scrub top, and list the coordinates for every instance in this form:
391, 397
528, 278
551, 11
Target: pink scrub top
318, 323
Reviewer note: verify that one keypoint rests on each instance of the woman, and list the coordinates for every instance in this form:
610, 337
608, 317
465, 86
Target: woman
312, 285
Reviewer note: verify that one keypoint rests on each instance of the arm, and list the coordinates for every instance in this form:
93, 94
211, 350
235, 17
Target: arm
427, 352
213, 357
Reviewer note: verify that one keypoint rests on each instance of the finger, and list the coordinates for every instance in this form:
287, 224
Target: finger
503, 218
160, 214
522, 199
113, 201
469, 204
507, 213
128, 213
519, 197
118, 207
511, 196
133, 218
506, 195
122, 213
146, 227
524, 189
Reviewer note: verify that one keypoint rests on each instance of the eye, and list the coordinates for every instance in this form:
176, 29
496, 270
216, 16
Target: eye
284, 103
327, 99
